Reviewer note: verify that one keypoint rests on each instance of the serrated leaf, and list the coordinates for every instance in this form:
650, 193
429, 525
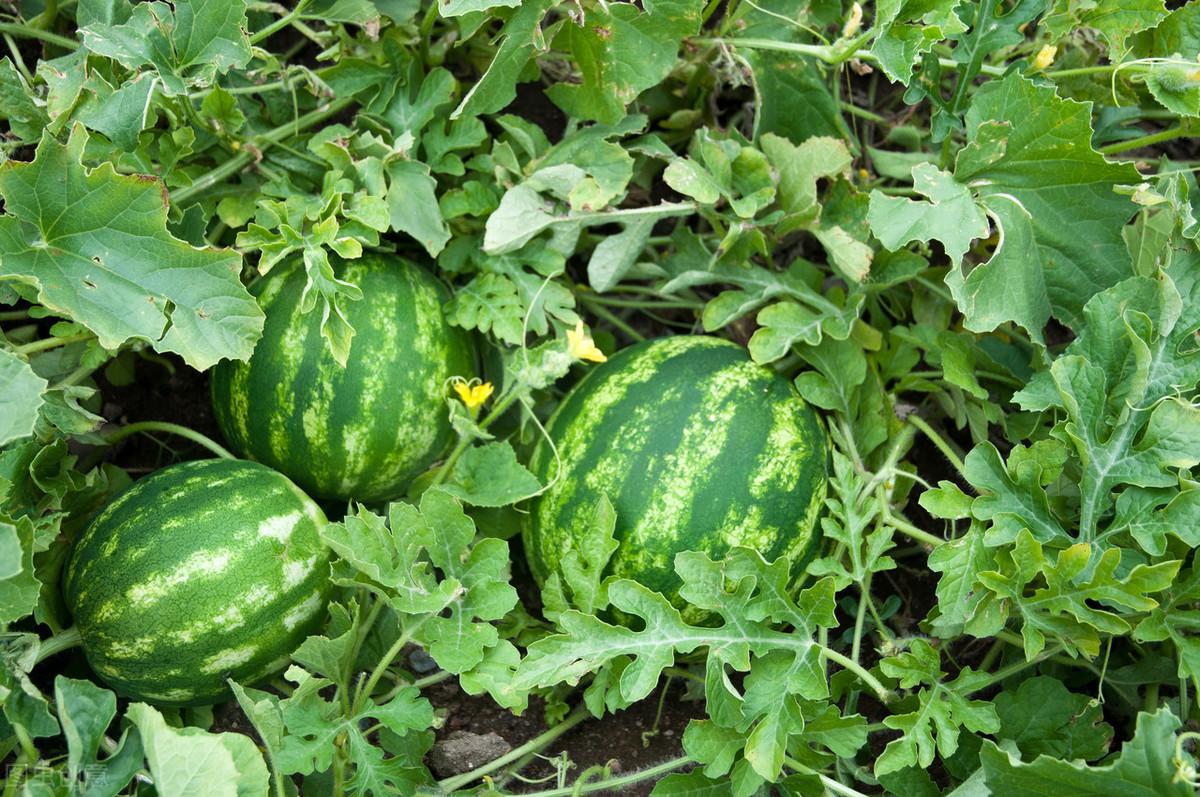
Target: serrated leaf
188, 44
1043, 717
95, 246
950, 215
1144, 768
490, 475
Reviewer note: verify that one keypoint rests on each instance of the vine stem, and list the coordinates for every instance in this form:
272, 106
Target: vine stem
63, 640
280, 23
28, 32
169, 428
615, 784
940, 442
831, 54
1179, 131
533, 745
909, 530
256, 146
385, 662
882, 692
837, 787
52, 343
499, 408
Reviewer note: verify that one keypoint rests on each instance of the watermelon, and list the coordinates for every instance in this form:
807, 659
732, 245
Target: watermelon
696, 447
202, 571
362, 430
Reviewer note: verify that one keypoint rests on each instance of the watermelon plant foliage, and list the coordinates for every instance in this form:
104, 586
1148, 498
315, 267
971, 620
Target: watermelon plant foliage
960, 235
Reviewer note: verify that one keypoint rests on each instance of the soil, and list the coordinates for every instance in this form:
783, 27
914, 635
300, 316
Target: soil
633, 739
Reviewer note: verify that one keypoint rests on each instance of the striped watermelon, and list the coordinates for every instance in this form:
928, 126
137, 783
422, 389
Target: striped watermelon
697, 448
362, 431
200, 571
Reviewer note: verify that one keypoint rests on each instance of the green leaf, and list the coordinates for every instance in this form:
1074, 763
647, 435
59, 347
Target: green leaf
621, 51
1029, 155
907, 30
413, 205
456, 8
490, 475
467, 592
799, 169
1043, 717
19, 586
1116, 20
1176, 619
1144, 768
85, 712
95, 246
942, 707
616, 255
1073, 598
1013, 500
950, 215
189, 762
17, 105
188, 45
497, 87
21, 398
122, 113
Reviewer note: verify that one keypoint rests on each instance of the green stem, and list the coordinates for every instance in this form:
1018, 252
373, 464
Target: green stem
534, 744
52, 343
499, 408
169, 428
64, 640
638, 304
881, 691
366, 689
1179, 131
45, 20
14, 315
939, 441
1016, 667
1081, 71
260, 143
614, 785
829, 783
280, 23
830, 54
28, 32
612, 318
909, 530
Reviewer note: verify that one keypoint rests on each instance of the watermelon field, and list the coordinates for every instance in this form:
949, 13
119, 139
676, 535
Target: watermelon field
686, 398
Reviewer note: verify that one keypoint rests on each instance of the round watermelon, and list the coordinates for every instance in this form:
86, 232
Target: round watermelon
696, 447
362, 430
201, 571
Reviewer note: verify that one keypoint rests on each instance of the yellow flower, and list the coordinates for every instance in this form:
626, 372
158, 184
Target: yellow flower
1045, 57
853, 22
581, 346
473, 395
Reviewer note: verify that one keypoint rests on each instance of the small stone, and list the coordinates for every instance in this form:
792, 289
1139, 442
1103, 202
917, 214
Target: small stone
421, 662
463, 751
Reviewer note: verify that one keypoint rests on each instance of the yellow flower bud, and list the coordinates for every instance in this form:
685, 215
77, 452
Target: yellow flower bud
581, 346
1045, 57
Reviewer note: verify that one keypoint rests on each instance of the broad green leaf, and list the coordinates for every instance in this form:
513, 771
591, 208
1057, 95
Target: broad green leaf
490, 475
1028, 156
950, 215
1144, 768
1043, 717
85, 712
413, 206
1116, 20
959, 595
1176, 619
20, 398
456, 8
617, 254
189, 762
17, 106
799, 169
1012, 501
120, 113
188, 44
909, 29
497, 87
794, 100
19, 586
94, 244
621, 51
